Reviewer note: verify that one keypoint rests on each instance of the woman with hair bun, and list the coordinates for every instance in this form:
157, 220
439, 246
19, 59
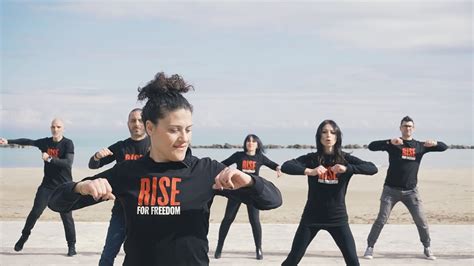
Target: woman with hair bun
249, 161
329, 171
167, 194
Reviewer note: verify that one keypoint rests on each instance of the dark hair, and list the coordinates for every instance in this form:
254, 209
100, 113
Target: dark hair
260, 148
164, 96
338, 157
406, 119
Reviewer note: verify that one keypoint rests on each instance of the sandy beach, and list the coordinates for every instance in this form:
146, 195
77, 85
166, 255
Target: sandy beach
447, 195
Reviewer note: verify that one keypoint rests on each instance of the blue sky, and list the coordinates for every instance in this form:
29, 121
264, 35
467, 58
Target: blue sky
276, 69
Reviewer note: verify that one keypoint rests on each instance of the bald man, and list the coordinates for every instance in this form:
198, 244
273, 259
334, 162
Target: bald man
57, 152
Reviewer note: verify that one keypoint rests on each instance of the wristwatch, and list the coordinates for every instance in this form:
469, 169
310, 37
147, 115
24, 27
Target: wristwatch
49, 159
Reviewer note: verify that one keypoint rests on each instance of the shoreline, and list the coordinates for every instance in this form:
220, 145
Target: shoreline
271, 146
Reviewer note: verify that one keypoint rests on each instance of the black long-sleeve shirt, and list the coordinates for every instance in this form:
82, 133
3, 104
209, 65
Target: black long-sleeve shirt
58, 170
326, 205
123, 150
250, 163
404, 161
167, 206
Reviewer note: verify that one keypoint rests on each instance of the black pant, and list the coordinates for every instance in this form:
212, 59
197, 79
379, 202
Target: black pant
305, 234
41, 202
230, 213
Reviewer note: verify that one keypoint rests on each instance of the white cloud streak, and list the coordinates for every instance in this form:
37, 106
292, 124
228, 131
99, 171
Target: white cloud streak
84, 109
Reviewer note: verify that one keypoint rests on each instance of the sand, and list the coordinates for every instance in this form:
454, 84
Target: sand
447, 195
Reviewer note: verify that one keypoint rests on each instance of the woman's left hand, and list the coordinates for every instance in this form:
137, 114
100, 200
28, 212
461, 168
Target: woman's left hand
339, 169
230, 178
278, 170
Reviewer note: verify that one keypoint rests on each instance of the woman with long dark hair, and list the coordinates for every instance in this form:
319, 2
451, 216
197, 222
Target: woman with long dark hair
248, 161
166, 195
329, 171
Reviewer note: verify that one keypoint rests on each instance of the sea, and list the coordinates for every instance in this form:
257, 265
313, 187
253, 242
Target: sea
452, 158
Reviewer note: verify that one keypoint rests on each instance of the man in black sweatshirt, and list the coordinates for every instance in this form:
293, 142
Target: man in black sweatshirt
58, 155
132, 148
405, 155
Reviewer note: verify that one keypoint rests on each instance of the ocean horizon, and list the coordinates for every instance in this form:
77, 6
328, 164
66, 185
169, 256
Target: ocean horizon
451, 158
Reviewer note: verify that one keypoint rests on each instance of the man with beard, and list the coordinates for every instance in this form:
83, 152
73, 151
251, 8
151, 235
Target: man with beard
129, 149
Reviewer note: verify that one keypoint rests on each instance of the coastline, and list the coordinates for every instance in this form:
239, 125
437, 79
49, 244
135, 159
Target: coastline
271, 146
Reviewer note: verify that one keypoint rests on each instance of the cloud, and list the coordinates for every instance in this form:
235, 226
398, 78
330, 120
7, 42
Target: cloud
81, 108
395, 25
351, 105
289, 66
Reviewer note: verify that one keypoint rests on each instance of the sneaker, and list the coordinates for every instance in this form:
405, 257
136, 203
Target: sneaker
19, 244
429, 254
369, 253
71, 251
